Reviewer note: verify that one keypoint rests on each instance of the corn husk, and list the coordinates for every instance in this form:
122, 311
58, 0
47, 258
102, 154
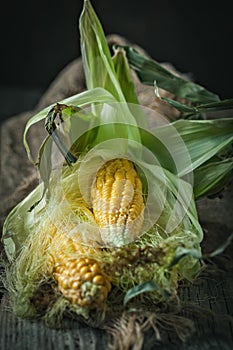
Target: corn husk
177, 164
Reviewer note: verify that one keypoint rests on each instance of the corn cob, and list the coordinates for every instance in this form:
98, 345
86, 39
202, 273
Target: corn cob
79, 276
117, 202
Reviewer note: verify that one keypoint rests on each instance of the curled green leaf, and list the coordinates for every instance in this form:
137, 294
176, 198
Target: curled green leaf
149, 71
193, 110
211, 178
181, 252
97, 62
82, 99
150, 286
124, 75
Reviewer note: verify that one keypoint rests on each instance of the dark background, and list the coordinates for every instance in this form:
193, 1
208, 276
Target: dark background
39, 38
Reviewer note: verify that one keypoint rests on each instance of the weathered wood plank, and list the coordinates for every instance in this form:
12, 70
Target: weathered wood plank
212, 319
24, 334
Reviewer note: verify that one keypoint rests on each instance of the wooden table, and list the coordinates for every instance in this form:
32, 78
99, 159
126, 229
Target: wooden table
215, 294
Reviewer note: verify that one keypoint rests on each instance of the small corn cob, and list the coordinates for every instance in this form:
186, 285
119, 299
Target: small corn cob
79, 277
117, 202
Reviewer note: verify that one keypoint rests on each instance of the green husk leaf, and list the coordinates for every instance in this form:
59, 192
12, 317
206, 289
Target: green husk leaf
45, 163
101, 70
181, 252
180, 206
211, 178
98, 65
221, 248
150, 286
85, 98
183, 202
124, 76
204, 138
149, 71
200, 108
184, 108
45, 167
21, 222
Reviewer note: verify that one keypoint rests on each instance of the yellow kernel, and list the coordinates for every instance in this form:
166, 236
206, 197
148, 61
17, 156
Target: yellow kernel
71, 264
76, 285
59, 269
130, 175
72, 272
88, 276
66, 272
102, 294
98, 279
99, 182
64, 282
80, 264
95, 268
120, 174
84, 270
